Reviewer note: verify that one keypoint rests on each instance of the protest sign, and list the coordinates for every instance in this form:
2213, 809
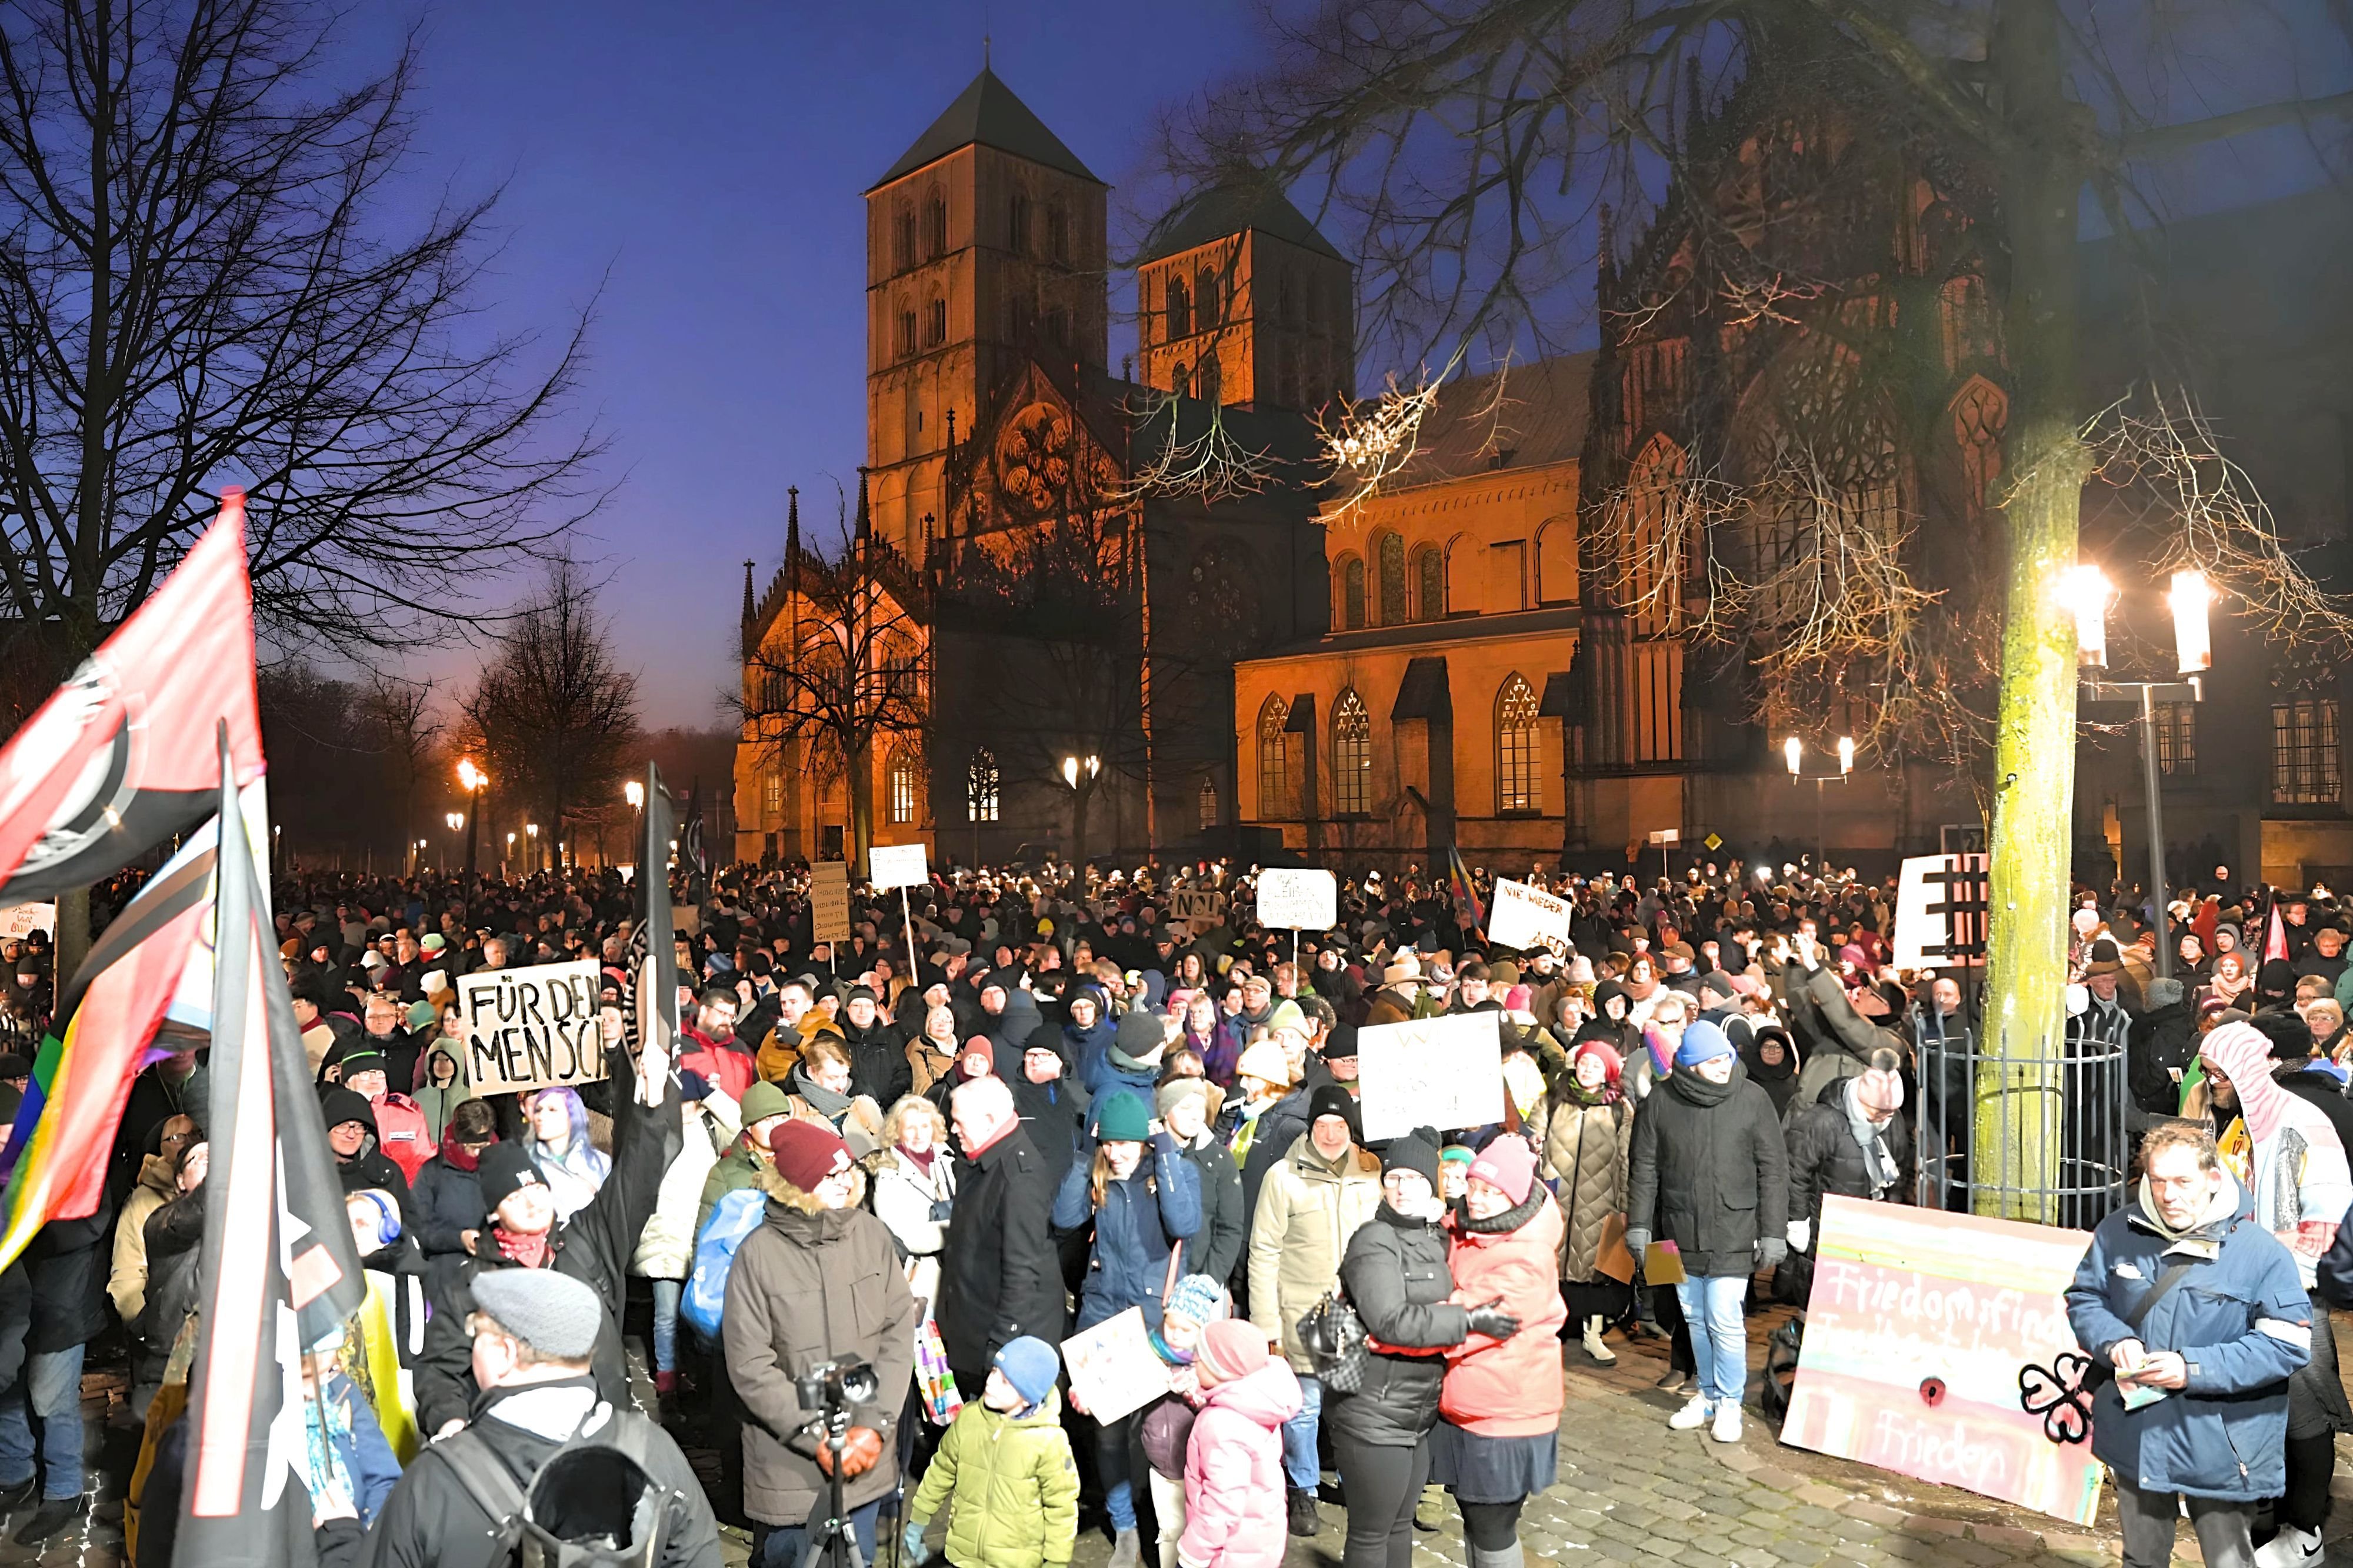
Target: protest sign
1291, 899
897, 865
1527, 919
1937, 1346
1940, 912
18, 921
531, 1029
1113, 1369
1431, 1072
1197, 904
829, 900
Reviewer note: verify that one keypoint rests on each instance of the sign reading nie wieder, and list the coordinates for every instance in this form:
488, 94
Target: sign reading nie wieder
531, 1029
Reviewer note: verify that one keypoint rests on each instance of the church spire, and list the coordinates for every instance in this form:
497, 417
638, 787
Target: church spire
750, 609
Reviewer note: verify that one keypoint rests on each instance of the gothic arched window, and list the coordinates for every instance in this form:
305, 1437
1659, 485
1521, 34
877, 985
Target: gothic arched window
980, 788
1206, 298
904, 784
1209, 805
1390, 549
1180, 380
935, 331
1515, 748
1274, 773
1352, 756
1429, 583
1351, 593
1205, 381
1980, 415
1180, 309
935, 224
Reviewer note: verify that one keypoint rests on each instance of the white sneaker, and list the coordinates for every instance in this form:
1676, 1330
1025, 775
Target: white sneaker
1728, 1422
1693, 1415
2291, 1549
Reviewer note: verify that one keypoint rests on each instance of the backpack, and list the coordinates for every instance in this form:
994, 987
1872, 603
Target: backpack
1782, 1350
594, 1504
733, 1217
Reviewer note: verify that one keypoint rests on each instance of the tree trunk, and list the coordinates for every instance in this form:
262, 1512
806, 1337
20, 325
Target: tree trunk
2018, 1125
862, 808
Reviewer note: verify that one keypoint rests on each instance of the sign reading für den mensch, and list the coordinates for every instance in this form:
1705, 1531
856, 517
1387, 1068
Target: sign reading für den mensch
531, 1029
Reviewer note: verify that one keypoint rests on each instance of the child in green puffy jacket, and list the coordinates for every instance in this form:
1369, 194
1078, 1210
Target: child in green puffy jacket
1008, 1465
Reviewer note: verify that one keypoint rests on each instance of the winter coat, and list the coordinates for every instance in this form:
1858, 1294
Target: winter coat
445, 1202
1307, 1212
878, 1069
1010, 1485
1087, 1050
68, 1262
437, 1103
1156, 1210
1826, 1161
1396, 1276
175, 1240
2241, 1321
1000, 1276
1389, 1007
1709, 1171
913, 1204
721, 1063
403, 1134
1054, 1118
1585, 1153
812, 1285
2161, 1039
431, 1519
1508, 1388
738, 1168
1225, 1223
594, 1246
666, 1248
1280, 1126
126, 1285
1234, 1500
860, 1126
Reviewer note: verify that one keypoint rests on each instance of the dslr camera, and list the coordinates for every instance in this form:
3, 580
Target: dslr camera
837, 1385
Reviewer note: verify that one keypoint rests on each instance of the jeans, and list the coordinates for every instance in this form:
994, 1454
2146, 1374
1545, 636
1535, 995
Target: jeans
2149, 1519
783, 1547
51, 1385
1114, 1468
1719, 1334
1300, 1464
666, 1297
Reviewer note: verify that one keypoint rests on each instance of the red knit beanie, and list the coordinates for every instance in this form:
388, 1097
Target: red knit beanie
807, 1153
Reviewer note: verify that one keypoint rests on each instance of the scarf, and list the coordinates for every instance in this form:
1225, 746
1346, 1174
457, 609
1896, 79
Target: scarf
530, 1251
824, 1101
2204, 1233
922, 1162
458, 1156
2244, 1057
1878, 1166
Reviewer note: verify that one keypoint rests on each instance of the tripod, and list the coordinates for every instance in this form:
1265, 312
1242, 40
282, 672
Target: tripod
833, 1545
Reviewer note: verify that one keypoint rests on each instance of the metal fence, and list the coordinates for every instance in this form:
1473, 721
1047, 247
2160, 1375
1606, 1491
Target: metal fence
2054, 1149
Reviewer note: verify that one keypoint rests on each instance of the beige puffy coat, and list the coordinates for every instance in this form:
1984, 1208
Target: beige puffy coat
1307, 1210
1585, 1153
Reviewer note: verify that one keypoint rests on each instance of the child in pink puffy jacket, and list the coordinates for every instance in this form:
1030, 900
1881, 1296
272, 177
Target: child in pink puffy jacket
1234, 1498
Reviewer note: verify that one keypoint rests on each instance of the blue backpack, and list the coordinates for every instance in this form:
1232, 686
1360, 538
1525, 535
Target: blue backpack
733, 1218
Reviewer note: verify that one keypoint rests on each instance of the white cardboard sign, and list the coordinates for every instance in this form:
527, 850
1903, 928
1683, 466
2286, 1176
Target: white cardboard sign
533, 1028
1114, 1367
1445, 1073
1527, 918
18, 921
829, 900
1292, 900
897, 865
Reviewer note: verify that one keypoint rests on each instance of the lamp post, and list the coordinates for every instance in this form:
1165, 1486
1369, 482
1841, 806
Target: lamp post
2086, 591
1793, 752
505, 855
455, 819
472, 779
530, 831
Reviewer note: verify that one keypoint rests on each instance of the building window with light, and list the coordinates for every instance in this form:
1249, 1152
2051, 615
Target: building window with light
2177, 740
1209, 805
1274, 773
980, 788
1352, 756
772, 794
1516, 749
2304, 767
903, 785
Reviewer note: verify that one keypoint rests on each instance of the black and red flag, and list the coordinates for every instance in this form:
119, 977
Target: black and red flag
121, 757
653, 971
279, 1267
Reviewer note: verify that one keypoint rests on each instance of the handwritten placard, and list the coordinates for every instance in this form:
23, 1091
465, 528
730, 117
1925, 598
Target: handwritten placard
531, 1029
1296, 899
830, 901
1113, 1369
1527, 918
1444, 1072
1937, 1346
1197, 904
897, 865
18, 921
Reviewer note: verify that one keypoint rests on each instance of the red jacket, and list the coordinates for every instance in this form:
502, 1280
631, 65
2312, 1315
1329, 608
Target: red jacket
1509, 1388
402, 1133
730, 1070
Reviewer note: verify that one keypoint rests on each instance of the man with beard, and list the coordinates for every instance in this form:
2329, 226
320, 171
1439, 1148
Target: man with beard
709, 1043
878, 1058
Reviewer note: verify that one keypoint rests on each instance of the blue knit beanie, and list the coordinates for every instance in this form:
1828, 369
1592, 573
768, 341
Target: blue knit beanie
1197, 1298
1703, 1042
1030, 1365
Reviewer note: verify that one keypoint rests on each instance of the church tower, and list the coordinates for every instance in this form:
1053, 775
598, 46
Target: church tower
1242, 302
986, 246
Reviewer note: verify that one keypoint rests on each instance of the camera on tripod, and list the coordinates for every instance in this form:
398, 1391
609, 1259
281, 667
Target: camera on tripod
837, 1385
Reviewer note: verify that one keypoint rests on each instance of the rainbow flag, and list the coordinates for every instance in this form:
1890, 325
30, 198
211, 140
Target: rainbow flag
1458, 879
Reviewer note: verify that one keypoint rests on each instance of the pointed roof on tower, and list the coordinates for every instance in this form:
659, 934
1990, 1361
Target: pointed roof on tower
988, 114
1234, 206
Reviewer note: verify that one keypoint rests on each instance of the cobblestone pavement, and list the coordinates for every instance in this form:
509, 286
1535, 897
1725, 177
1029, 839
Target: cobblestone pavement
1630, 1491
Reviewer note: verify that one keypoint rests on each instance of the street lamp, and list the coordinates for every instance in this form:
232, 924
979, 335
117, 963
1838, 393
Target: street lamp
531, 829
635, 794
473, 781
506, 854
1793, 752
2084, 589
1070, 766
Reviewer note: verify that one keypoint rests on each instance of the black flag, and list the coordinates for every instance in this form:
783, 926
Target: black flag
655, 1016
279, 1270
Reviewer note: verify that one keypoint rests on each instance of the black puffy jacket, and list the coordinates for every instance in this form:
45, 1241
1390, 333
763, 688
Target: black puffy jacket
1225, 1223
1000, 1275
1709, 1171
67, 1262
1395, 1274
1826, 1161
444, 1203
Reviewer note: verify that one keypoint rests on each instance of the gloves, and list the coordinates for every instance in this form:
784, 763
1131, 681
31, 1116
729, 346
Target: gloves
859, 1450
1490, 1318
912, 1540
1801, 1232
1770, 1251
1637, 1242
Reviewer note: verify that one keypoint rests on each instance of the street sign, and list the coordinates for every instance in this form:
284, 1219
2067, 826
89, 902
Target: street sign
1713, 842
1940, 912
897, 865
1666, 836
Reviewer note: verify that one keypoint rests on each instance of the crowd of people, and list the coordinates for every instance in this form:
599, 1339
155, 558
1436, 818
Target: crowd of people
880, 1179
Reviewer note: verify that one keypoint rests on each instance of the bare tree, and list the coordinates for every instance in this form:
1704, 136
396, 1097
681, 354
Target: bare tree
201, 283
1470, 142
399, 713
555, 717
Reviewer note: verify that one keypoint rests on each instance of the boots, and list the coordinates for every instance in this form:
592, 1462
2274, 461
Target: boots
666, 1384
1430, 1514
1126, 1549
1509, 1557
1305, 1520
1593, 1345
